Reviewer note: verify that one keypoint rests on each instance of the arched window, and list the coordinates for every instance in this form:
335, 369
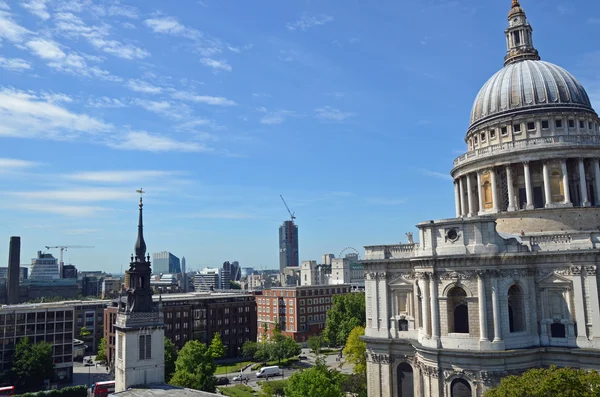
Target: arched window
460, 388
516, 310
406, 386
458, 312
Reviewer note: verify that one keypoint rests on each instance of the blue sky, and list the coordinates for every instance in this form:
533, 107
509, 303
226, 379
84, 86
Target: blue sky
353, 110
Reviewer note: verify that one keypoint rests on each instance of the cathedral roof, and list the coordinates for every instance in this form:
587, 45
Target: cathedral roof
526, 85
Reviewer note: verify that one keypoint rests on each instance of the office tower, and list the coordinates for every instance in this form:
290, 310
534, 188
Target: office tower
44, 267
14, 260
288, 245
327, 259
226, 276
165, 263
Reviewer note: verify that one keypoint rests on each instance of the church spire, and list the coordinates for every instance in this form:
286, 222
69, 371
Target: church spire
519, 38
140, 244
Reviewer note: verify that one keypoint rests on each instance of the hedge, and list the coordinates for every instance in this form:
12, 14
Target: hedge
71, 391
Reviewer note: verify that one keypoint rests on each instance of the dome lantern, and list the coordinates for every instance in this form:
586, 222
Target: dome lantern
519, 37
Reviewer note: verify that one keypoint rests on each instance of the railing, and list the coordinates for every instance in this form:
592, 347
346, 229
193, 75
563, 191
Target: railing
528, 144
390, 251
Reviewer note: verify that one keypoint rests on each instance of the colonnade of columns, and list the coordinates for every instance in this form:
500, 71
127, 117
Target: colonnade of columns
468, 205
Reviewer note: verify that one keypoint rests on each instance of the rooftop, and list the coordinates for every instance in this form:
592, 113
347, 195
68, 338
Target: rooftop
162, 390
48, 305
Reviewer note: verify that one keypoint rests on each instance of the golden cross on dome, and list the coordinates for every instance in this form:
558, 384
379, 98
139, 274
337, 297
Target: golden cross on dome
515, 3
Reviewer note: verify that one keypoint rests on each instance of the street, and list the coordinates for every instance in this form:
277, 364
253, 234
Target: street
87, 375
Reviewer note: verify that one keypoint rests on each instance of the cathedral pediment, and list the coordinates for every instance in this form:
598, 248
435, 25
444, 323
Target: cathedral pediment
554, 280
400, 283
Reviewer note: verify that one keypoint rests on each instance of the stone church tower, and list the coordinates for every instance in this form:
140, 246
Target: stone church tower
139, 327
510, 283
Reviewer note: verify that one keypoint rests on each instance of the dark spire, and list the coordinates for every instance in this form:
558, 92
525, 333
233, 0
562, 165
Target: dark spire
140, 244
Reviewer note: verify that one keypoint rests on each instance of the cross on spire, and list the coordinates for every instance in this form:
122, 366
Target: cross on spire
515, 3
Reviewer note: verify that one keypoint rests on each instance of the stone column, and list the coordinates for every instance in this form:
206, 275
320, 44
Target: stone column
528, 188
457, 198
583, 184
483, 332
579, 305
435, 307
590, 275
470, 196
494, 190
424, 282
511, 188
547, 190
463, 209
565, 181
496, 310
597, 179
479, 195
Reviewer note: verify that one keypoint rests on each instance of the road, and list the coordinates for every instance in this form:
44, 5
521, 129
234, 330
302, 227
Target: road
87, 375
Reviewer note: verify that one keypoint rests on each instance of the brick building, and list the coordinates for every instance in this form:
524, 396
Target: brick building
300, 311
43, 322
198, 316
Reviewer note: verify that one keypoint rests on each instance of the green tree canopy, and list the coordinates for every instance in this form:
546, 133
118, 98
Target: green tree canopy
84, 333
355, 350
249, 349
282, 347
553, 381
217, 349
32, 364
317, 381
170, 357
315, 344
347, 312
101, 356
273, 388
234, 285
194, 367
354, 384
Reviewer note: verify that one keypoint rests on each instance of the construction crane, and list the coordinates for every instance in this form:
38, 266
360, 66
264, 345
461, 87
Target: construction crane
63, 248
288, 208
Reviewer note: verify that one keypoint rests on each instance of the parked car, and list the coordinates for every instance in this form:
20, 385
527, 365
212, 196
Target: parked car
302, 357
223, 380
241, 377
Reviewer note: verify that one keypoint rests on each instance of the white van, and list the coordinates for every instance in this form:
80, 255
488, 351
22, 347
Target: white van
267, 372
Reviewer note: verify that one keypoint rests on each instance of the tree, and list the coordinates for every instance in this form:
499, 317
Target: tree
273, 388
101, 356
249, 349
194, 367
354, 384
347, 312
84, 333
32, 364
234, 285
170, 357
317, 381
315, 343
355, 351
563, 382
217, 350
283, 347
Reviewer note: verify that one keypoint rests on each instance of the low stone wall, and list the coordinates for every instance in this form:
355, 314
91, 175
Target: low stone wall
549, 220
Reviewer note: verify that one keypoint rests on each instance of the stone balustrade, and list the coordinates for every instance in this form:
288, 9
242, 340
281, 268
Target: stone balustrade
527, 145
395, 251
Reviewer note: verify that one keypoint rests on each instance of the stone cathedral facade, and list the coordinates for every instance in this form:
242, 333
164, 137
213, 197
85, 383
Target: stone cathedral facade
511, 282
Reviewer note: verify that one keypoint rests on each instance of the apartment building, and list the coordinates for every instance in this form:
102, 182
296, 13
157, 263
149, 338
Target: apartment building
90, 314
43, 322
299, 311
198, 316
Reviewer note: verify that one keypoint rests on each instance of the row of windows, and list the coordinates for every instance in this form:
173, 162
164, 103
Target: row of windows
531, 126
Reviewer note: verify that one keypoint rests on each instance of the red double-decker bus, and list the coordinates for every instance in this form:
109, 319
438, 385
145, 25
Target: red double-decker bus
7, 391
103, 389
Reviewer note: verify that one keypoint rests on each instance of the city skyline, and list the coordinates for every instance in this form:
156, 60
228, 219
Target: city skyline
216, 111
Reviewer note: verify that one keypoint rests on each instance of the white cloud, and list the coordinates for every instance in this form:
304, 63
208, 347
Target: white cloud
142, 140
10, 30
26, 115
207, 46
14, 64
119, 10
105, 102
67, 210
4, 6
128, 25
274, 117
7, 164
143, 86
329, 113
435, 174
46, 49
37, 8
120, 176
164, 108
216, 64
77, 195
209, 100
74, 27
306, 22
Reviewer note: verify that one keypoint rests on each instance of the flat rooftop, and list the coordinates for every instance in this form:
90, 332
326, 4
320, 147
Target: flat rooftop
162, 390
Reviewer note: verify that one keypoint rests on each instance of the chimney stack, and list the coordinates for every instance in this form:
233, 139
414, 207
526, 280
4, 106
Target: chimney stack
14, 264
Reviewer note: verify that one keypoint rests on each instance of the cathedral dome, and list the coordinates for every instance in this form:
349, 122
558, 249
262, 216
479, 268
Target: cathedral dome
526, 85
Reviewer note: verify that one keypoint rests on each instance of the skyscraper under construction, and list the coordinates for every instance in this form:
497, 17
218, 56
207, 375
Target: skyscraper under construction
288, 245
